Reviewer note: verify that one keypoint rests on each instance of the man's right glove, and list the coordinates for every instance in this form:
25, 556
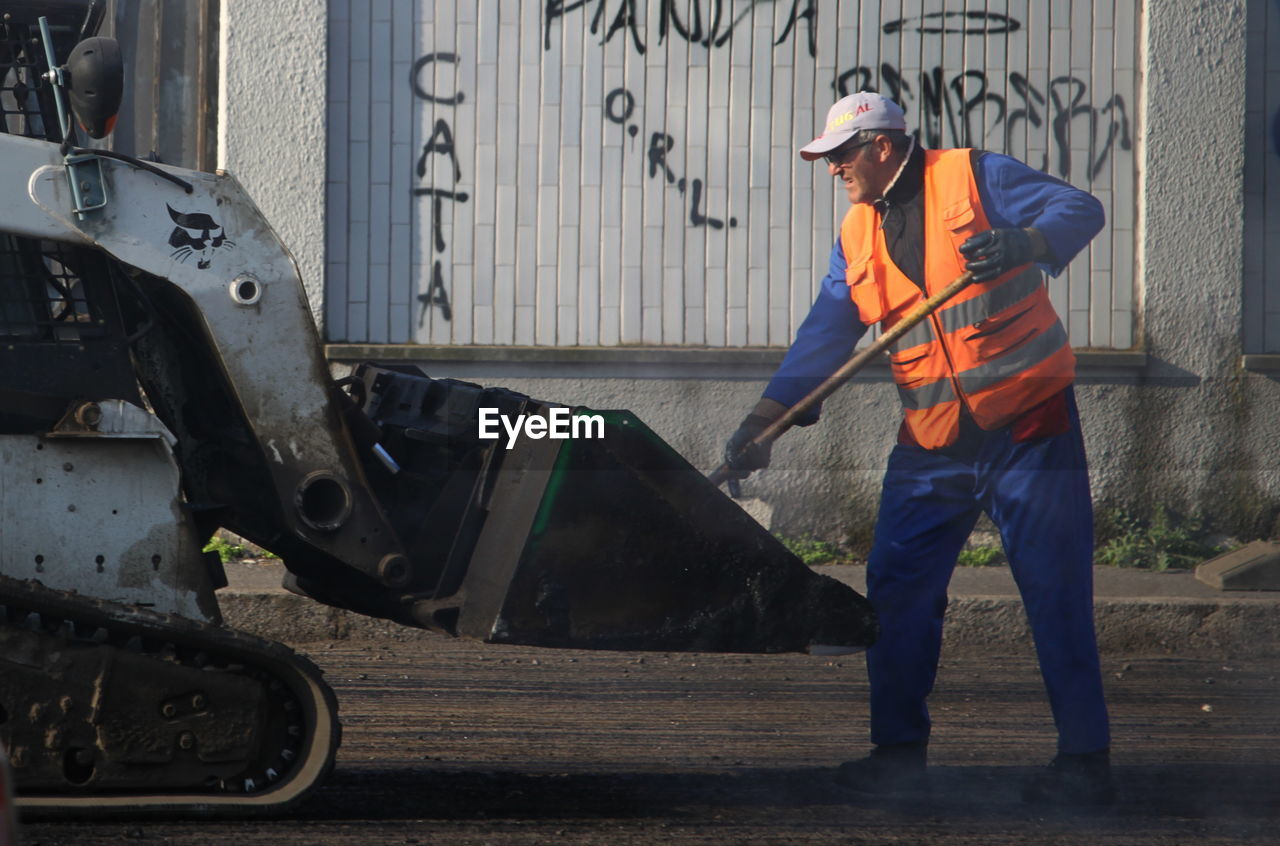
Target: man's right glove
994, 253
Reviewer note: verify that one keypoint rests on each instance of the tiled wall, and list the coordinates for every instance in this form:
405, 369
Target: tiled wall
616, 172
1262, 180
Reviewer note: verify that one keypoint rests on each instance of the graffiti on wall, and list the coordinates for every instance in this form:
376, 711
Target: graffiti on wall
619, 106
952, 105
949, 105
441, 143
706, 23
959, 23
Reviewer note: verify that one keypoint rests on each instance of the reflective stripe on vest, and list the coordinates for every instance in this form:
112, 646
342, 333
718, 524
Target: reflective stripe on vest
971, 311
998, 347
984, 376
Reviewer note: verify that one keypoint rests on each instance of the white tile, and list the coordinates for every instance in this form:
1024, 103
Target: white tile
549, 147
758, 306
1126, 36
482, 325
674, 224
336, 220
1081, 34
526, 266
589, 309
1081, 277
761, 68
335, 302
547, 225
736, 326
380, 143
610, 326
571, 194
358, 187
651, 325
1100, 314
358, 113
673, 306
546, 317
380, 62
504, 306
379, 303
717, 307
1078, 329
526, 325
359, 35
338, 61
630, 307
506, 225
357, 322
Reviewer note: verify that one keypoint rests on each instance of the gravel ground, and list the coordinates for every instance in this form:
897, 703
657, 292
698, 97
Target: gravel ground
454, 742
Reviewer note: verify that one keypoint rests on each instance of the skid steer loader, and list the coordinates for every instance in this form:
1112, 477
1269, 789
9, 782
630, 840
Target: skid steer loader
162, 378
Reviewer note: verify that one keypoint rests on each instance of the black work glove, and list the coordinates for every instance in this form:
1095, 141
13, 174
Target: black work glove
740, 454
995, 252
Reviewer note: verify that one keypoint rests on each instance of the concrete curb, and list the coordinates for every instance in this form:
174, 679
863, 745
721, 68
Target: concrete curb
1221, 624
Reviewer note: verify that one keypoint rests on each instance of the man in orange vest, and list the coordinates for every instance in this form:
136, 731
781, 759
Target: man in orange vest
989, 423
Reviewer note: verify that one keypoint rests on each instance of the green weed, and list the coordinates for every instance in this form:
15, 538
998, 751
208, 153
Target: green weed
811, 550
1163, 542
230, 550
981, 556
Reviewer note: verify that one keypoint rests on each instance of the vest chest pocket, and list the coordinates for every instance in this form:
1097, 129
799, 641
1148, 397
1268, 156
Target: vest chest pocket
961, 222
867, 289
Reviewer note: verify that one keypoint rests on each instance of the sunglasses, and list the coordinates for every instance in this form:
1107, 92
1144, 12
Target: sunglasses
844, 155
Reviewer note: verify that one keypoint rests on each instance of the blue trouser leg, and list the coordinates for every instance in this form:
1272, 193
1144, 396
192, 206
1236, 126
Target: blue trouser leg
927, 510
1037, 493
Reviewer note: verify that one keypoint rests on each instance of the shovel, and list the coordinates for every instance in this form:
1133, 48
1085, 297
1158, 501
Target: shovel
846, 372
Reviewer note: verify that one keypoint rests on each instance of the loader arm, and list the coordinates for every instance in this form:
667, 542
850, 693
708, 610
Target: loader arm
248, 302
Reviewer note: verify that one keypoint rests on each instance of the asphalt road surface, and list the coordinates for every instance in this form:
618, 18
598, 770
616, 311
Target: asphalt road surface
456, 743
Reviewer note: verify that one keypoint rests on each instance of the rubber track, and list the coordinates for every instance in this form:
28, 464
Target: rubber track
318, 705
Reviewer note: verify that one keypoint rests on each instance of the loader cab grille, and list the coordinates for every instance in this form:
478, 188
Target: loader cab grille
21, 89
62, 335
42, 294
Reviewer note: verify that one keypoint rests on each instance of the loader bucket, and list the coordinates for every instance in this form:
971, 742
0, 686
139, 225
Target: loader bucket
608, 539
618, 543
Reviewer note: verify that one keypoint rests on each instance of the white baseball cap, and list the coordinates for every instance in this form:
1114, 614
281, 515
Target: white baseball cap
864, 110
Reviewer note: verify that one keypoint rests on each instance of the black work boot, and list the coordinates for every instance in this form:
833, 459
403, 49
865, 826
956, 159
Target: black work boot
1083, 779
890, 768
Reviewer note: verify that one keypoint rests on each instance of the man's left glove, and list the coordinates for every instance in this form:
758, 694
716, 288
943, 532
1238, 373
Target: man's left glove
994, 253
740, 454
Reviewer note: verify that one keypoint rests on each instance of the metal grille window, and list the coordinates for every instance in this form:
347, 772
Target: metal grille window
19, 82
42, 297
622, 172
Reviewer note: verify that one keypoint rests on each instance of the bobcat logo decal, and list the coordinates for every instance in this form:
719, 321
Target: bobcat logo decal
196, 234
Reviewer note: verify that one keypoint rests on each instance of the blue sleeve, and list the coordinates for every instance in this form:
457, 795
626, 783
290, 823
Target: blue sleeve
824, 341
1016, 195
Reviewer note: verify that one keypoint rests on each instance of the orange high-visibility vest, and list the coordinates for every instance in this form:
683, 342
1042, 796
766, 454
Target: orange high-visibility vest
997, 348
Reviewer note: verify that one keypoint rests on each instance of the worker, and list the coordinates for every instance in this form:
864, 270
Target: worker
989, 423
